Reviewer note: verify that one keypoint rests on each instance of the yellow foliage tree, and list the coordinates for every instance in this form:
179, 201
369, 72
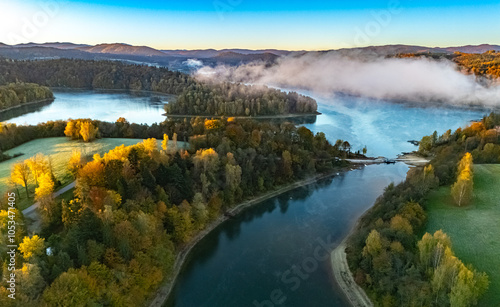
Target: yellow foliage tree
75, 162
462, 190
32, 247
212, 124
72, 130
399, 223
164, 143
45, 187
20, 174
39, 165
150, 145
88, 131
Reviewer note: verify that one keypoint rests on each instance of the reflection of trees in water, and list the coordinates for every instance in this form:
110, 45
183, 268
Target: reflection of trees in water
24, 109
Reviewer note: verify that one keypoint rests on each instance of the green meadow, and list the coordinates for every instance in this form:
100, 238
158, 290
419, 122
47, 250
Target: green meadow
474, 230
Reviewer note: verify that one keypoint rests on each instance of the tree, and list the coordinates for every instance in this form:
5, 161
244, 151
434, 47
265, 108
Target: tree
164, 143
75, 162
21, 174
38, 165
200, 212
30, 280
174, 142
425, 144
462, 190
150, 145
88, 131
72, 130
72, 288
287, 164
45, 187
32, 247
373, 244
399, 223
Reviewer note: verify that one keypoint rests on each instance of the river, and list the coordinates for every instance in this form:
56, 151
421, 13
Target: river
276, 250
268, 251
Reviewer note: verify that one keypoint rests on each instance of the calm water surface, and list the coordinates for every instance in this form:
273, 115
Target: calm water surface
140, 108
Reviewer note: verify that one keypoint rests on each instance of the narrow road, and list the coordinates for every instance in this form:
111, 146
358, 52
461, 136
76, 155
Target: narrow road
32, 214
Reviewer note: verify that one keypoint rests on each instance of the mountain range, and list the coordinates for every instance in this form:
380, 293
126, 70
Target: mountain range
176, 59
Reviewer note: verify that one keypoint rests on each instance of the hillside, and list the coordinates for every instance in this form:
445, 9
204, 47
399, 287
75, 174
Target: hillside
122, 49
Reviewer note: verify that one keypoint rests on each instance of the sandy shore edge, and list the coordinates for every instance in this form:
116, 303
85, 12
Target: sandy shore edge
163, 292
343, 276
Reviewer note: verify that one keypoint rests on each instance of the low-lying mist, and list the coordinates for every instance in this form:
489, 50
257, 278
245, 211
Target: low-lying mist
407, 79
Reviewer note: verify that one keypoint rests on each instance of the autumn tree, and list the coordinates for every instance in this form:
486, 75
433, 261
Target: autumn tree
32, 247
164, 143
39, 165
373, 244
462, 190
88, 131
21, 174
75, 162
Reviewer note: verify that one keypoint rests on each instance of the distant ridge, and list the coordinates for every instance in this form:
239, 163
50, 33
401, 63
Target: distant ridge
475, 49
122, 49
178, 59
56, 45
129, 50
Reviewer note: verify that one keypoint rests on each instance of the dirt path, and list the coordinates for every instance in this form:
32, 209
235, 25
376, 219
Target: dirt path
165, 289
356, 296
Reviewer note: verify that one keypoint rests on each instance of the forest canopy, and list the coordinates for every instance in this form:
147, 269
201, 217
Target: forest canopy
15, 94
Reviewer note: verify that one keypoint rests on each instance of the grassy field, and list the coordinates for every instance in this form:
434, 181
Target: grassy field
59, 150
474, 230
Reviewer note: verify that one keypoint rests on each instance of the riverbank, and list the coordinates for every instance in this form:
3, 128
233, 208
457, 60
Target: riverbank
343, 276
163, 292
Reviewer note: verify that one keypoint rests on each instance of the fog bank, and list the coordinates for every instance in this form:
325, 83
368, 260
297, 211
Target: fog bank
413, 79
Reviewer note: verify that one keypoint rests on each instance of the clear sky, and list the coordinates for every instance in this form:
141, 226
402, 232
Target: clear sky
253, 24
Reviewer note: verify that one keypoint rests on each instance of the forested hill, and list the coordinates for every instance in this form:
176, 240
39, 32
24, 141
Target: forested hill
486, 64
94, 75
15, 94
195, 98
233, 99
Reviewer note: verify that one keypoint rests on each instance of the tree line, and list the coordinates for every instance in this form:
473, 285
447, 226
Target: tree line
387, 254
15, 94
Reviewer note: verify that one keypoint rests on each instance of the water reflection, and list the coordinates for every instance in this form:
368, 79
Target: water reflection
245, 258
136, 107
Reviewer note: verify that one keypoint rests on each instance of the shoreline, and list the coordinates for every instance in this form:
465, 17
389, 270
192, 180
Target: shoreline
278, 116
344, 279
27, 104
162, 293
342, 274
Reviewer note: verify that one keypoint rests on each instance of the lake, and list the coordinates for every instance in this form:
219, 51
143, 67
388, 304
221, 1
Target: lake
140, 108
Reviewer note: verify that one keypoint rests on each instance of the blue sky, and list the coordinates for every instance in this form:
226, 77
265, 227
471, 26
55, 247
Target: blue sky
256, 24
